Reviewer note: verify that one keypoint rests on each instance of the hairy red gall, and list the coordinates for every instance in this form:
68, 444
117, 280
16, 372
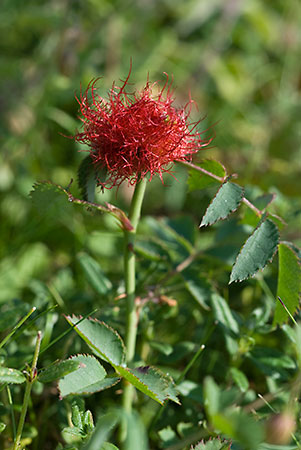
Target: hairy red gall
133, 135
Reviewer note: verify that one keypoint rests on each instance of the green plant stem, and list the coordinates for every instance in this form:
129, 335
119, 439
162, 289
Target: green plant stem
130, 285
31, 377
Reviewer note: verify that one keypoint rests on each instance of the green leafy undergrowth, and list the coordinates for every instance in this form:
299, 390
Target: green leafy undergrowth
108, 345
213, 444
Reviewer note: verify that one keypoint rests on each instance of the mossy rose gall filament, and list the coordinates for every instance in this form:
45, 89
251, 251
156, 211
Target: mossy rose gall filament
136, 134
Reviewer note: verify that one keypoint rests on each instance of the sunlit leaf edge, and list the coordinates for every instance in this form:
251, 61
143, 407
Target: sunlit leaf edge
45, 371
100, 354
131, 377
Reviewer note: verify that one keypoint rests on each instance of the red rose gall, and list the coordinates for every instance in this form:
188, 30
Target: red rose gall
135, 134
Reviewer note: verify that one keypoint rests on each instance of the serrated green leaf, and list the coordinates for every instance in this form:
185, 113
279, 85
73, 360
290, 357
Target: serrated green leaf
289, 283
102, 339
58, 370
95, 275
213, 444
257, 251
226, 200
152, 382
89, 378
198, 180
12, 376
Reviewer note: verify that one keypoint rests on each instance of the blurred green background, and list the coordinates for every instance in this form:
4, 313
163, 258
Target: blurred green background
239, 60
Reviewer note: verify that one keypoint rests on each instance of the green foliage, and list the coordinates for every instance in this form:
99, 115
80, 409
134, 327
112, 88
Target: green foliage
102, 431
213, 444
87, 379
230, 420
11, 376
226, 200
57, 370
102, 339
240, 379
94, 274
107, 344
152, 382
224, 316
82, 423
